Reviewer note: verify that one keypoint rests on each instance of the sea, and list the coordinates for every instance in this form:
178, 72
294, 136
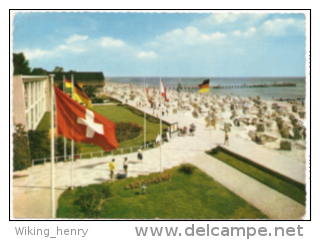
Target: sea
297, 92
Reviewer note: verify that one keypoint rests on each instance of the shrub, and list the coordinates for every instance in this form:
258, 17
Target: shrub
153, 179
59, 150
21, 153
187, 168
106, 191
89, 202
127, 131
40, 145
97, 100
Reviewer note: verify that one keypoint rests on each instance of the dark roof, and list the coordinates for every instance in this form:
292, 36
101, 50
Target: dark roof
84, 77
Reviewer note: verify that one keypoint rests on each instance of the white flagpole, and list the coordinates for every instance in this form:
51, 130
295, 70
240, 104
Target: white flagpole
53, 207
179, 103
160, 130
64, 138
145, 125
72, 141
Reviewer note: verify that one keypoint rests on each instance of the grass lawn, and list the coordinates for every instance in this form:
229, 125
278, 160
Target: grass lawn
185, 196
287, 187
116, 113
45, 122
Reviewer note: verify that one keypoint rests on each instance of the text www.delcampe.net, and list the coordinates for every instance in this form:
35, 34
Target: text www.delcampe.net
207, 231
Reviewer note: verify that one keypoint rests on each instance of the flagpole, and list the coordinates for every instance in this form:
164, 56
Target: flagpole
145, 125
72, 142
179, 102
53, 207
64, 138
160, 130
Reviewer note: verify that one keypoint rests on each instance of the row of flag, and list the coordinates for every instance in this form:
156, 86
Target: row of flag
78, 123
203, 88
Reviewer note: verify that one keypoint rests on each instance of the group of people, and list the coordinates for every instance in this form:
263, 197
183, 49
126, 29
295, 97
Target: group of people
125, 166
184, 131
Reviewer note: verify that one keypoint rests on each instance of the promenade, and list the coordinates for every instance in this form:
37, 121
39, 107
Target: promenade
31, 190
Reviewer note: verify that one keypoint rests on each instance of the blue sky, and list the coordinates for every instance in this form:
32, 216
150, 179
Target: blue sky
163, 44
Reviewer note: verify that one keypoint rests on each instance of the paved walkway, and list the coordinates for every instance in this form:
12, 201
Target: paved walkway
31, 191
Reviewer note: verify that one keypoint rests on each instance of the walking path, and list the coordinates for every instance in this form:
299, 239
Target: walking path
31, 191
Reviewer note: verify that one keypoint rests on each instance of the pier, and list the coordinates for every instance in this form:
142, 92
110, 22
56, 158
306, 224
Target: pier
195, 87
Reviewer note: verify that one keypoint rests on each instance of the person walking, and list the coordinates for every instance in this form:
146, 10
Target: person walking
140, 157
226, 138
112, 167
125, 165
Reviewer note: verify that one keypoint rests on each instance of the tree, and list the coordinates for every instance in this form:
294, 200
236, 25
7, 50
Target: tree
90, 90
21, 151
58, 69
20, 64
39, 71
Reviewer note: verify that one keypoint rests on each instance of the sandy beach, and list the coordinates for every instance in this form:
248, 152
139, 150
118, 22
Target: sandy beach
275, 126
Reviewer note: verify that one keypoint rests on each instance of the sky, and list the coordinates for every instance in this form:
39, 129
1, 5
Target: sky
164, 44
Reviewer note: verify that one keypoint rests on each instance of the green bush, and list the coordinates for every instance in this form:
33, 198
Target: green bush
187, 168
21, 152
127, 131
104, 190
96, 100
89, 202
59, 147
152, 179
40, 145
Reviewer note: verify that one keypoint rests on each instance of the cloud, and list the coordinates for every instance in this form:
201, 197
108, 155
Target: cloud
110, 42
189, 36
229, 20
147, 55
36, 53
76, 38
73, 44
216, 19
281, 26
224, 17
250, 32
71, 48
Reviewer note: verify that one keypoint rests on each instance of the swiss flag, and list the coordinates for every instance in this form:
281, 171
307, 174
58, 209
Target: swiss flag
80, 124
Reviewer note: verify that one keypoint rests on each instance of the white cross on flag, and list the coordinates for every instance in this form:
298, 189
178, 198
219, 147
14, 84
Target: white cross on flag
80, 124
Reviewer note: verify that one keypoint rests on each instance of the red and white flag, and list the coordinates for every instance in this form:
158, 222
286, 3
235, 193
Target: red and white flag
163, 91
148, 95
80, 124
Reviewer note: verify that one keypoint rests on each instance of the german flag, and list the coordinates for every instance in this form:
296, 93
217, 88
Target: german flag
78, 93
204, 87
68, 84
80, 96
